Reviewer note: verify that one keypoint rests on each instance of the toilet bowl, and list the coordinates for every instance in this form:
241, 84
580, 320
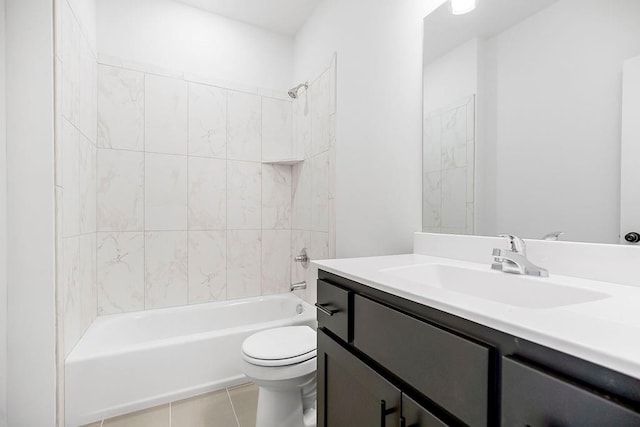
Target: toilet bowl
282, 363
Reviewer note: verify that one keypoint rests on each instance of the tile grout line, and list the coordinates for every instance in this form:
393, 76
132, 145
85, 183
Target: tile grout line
237, 159
144, 192
188, 181
232, 407
95, 189
261, 195
226, 199
294, 149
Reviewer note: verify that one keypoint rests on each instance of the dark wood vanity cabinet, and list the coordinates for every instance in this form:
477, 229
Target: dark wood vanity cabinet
354, 394
450, 370
533, 397
415, 415
387, 361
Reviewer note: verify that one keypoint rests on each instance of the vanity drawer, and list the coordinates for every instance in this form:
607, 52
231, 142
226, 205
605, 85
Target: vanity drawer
449, 370
333, 309
537, 398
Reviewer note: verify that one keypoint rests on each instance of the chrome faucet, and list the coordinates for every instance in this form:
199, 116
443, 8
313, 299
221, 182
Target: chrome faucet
514, 260
298, 286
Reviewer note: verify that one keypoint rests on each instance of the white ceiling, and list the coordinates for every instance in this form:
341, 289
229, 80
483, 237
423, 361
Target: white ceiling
282, 16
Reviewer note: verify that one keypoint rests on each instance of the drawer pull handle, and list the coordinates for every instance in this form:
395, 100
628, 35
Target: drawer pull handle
384, 412
325, 310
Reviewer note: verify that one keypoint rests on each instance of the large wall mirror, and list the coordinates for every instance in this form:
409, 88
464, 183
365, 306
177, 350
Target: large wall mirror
531, 114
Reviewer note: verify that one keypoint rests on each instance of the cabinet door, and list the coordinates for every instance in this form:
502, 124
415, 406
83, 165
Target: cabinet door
538, 399
350, 394
414, 415
451, 371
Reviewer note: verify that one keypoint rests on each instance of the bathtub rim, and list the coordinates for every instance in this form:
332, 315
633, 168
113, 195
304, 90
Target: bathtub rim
78, 354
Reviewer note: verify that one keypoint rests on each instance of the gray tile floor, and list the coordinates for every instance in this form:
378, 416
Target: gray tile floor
231, 407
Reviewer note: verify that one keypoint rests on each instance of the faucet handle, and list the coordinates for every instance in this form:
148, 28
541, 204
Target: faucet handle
515, 243
302, 258
554, 235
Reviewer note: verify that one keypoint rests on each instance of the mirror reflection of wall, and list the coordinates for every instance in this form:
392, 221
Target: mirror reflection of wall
448, 163
547, 80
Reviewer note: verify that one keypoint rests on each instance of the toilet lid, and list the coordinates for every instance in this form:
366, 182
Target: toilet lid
279, 346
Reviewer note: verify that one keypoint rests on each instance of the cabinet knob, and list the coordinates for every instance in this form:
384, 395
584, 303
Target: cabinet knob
632, 237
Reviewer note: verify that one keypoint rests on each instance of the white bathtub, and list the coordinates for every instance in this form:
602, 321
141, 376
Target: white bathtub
127, 362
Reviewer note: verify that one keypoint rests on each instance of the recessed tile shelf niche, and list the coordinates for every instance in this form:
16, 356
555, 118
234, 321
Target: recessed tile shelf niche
283, 162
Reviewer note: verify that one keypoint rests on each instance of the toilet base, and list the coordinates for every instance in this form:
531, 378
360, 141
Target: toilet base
286, 406
309, 417
279, 408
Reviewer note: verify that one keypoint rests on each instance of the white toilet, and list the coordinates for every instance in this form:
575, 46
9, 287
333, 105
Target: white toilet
282, 362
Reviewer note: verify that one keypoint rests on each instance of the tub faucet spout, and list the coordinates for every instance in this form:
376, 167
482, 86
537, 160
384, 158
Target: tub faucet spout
298, 286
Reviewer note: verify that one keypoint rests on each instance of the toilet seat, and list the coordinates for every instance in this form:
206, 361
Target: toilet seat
283, 363
284, 346
280, 362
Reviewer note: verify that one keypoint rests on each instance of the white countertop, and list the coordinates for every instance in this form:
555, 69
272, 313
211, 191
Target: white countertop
605, 332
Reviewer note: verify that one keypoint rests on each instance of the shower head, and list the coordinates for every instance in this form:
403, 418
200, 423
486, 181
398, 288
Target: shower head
293, 93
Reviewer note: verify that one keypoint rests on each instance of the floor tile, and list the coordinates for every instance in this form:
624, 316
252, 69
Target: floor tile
153, 417
208, 410
245, 403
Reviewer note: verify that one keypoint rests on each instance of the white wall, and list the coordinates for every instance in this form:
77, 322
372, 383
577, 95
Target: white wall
379, 86
175, 36
85, 13
558, 98
30, 215
486, 187
451, 77
3, 231
630, 150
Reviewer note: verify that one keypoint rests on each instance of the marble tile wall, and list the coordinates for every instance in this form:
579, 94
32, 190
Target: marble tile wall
448, 169
187, 212
75, 145
75, 182
313, 180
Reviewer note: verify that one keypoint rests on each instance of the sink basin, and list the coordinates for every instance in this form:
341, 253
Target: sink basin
511, 289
